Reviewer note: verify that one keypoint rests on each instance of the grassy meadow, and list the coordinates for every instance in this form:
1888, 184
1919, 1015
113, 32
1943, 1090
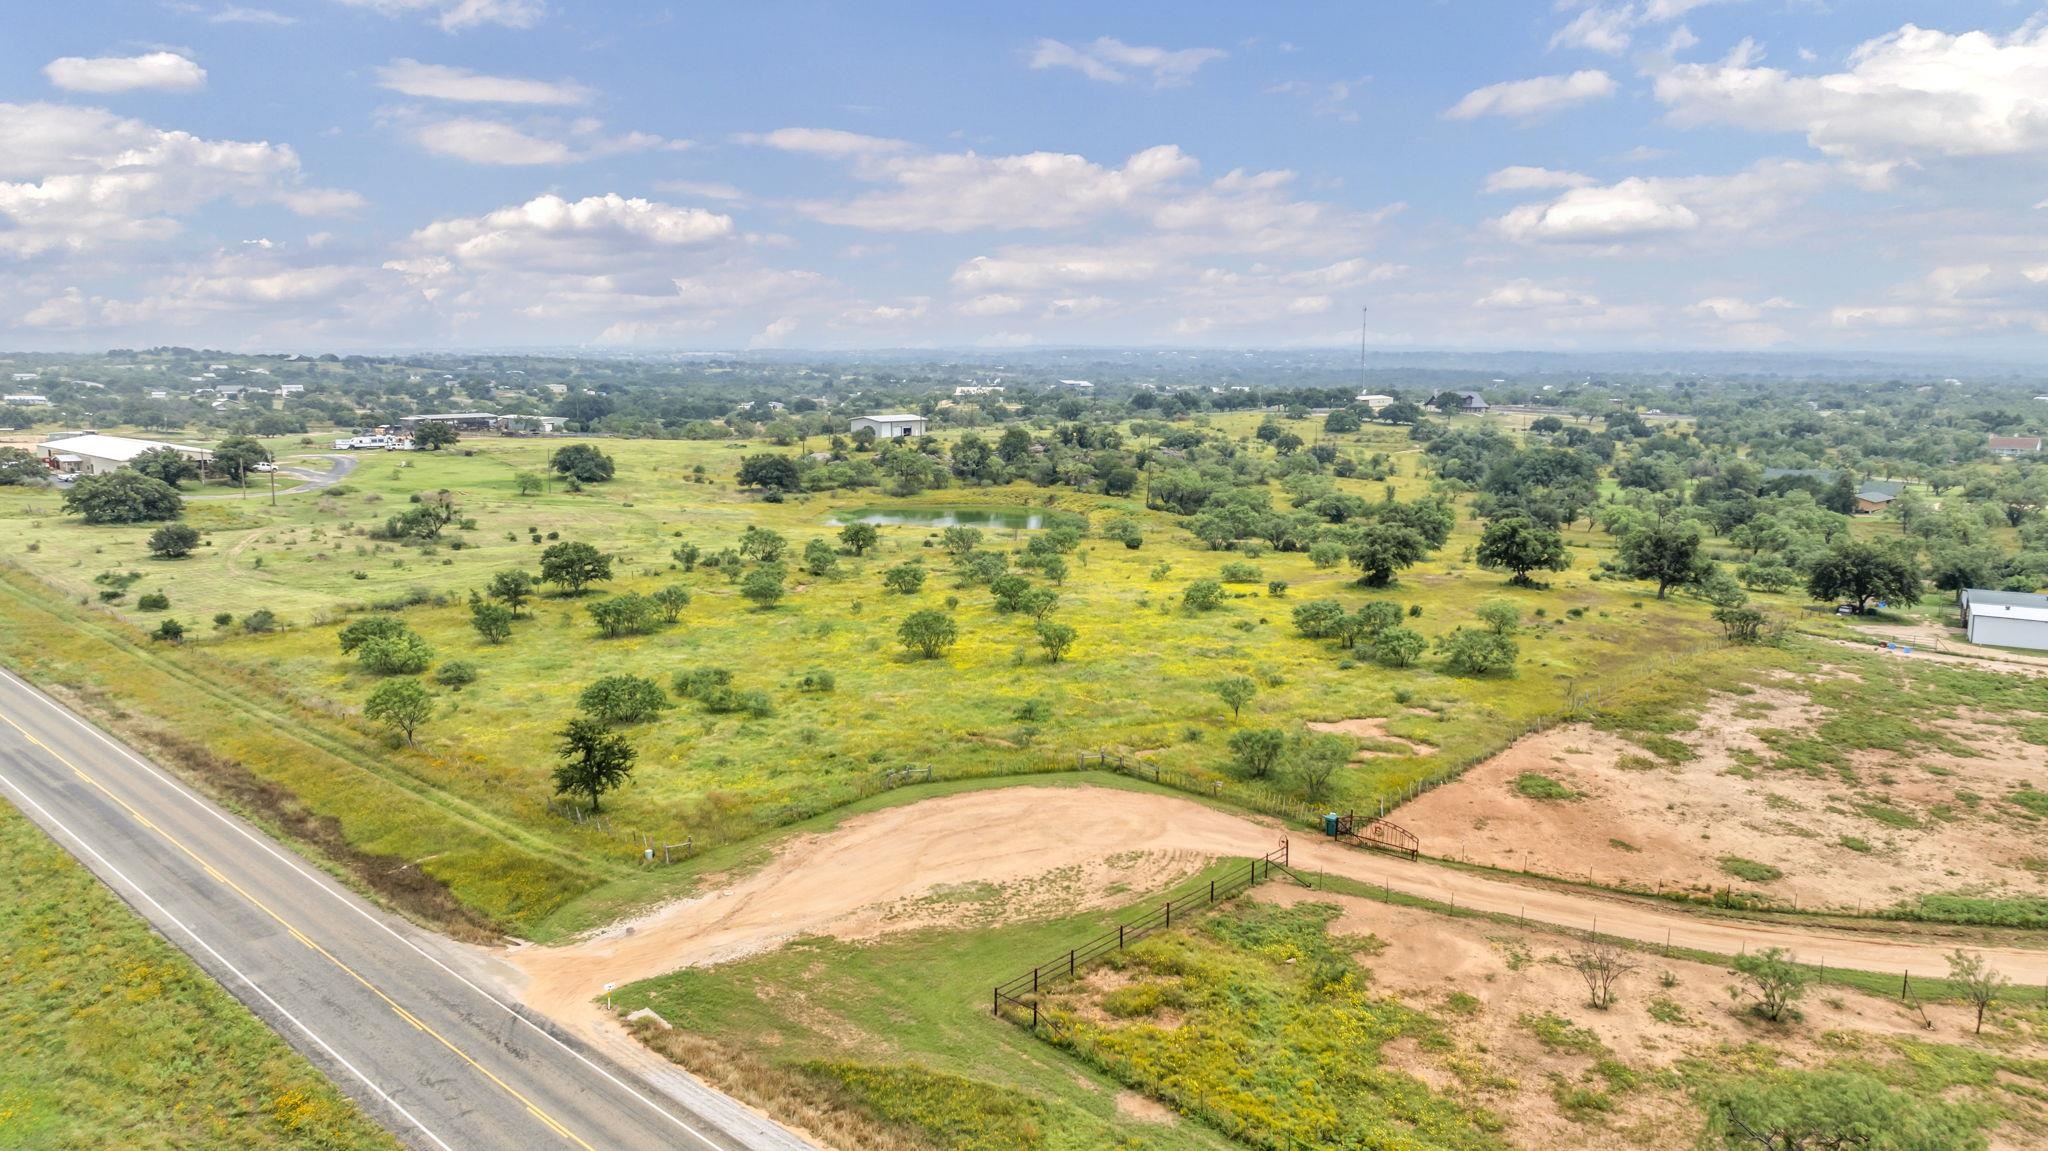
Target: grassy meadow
473, 796
115, 1039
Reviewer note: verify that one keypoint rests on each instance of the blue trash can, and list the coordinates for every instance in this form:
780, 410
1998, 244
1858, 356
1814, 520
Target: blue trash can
1330, 824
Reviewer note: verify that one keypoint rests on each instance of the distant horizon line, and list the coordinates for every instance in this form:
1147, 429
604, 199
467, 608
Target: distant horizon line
969, 350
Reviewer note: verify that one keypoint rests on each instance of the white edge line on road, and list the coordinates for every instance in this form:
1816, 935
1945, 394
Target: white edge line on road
343, 899
137, 888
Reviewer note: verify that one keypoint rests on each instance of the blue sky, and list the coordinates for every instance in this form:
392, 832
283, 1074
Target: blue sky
1592, 174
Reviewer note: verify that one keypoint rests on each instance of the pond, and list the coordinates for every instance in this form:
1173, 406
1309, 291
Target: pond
942, 517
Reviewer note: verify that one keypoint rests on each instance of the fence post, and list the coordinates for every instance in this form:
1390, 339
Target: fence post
1212, 891
1169, 913
1119, 937
1070, 963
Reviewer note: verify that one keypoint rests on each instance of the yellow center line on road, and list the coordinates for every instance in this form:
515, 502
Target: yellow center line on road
301, 936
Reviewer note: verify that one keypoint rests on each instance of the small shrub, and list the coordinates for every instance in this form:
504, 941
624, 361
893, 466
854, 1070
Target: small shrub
1750, 869
154, 601
455, 673
1536, 785
817, 680
256, 622
696, 683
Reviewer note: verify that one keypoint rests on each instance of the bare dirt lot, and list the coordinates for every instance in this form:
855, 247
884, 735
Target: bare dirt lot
909, 866
918, 864
1487, 982
1924, 823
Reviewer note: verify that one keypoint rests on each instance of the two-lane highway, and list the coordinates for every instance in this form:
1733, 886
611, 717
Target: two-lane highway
382, 1007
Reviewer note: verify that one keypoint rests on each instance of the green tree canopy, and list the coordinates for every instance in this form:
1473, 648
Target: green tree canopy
764, 585
1469, 652
618, 699
1669, 553
573, 566
594, 760
361, 630
173, 541
1235, 692
1057, 639
1382, 550
237, 456
770, 470
123, 497
1518, 545
1257, 751
629, 613
402, 654
1862, 572
928, 632
906, 578
858, 538
20, 466
400, 704
433, 435
167, 464
492, 620
582, 462
511, 588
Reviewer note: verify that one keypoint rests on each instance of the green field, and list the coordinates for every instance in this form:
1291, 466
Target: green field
473, 798
114, 1038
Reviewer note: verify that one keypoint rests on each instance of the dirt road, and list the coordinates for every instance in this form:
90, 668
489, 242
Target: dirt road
844, 882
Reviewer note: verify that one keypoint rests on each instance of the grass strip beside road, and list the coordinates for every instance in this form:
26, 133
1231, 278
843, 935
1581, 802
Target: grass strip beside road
287, 769
115, 1039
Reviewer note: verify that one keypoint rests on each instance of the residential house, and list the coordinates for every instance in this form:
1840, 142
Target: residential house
1877, 495
1471, 402
2015, 445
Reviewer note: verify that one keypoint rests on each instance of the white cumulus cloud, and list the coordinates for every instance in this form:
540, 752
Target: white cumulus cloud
1521, 178
442, 82
821, 142
1536, 96
1651, 208
1112, 61
1914, 92
480, 141
158, 71
80, 178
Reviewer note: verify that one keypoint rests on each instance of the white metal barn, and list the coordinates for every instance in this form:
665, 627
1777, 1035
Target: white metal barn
2006, 618
95, 455
889, 427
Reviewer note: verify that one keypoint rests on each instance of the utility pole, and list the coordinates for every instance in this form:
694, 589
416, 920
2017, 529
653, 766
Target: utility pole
273, 487
1362, 313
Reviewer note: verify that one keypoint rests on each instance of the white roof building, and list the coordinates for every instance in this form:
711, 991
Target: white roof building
93, 454
889, 427
2006, 619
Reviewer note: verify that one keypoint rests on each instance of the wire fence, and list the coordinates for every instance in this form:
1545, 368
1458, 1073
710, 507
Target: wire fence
1020, 994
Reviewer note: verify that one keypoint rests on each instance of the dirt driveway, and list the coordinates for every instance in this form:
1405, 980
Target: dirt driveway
846, 881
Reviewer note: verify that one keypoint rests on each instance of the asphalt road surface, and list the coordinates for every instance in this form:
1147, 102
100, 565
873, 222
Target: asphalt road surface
381, 1006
